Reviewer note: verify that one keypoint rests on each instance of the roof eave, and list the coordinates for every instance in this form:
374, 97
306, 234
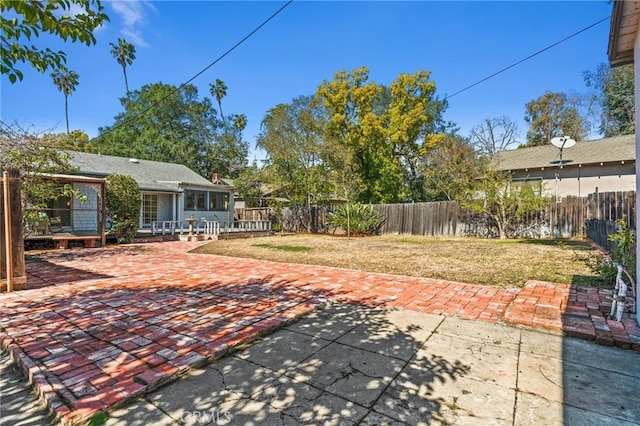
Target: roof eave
623, 27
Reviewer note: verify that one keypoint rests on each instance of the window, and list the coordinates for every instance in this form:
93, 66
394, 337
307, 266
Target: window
206, 201
149, 208
195, 200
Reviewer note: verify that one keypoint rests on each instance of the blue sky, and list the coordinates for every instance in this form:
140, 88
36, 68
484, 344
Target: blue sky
459, 42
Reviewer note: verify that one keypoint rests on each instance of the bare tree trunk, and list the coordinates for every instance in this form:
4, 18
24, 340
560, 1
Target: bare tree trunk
66, 112
126, 83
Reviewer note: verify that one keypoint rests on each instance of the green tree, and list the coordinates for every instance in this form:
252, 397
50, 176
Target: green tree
122, 199
23, 20
383, 129
66, 82
551, 115
450, 168
164, 123
502, 200
124, 53
218, 91
292, 137
77, 140
613, 92
250, 185
34, 156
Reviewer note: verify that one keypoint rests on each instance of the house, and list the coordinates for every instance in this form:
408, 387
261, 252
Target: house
624, 48
592, 166
168, 192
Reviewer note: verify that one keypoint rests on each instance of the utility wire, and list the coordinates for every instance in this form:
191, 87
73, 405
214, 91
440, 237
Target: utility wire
527, 58
218, 59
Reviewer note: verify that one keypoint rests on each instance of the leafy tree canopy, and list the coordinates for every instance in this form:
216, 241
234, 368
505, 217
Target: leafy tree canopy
382, 129
163, 123
614, 98
25, 20
551, 115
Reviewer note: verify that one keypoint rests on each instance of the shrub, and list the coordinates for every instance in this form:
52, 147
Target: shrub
123, 206
357, 219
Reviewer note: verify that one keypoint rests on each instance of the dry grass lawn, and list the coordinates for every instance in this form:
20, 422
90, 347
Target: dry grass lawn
507, 263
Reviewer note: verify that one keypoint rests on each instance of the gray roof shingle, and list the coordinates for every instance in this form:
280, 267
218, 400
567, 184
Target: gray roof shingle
607, 150
150, 175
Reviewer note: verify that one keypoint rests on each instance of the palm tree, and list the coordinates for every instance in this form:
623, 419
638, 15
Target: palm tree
219, 91
66, 82
240, 122
124, 53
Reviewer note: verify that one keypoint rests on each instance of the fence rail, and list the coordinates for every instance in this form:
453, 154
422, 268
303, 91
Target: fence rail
592, 216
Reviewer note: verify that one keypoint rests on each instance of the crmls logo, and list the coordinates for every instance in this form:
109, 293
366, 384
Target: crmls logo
205, 417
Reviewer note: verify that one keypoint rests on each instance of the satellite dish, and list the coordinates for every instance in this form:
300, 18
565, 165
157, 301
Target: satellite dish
562, 143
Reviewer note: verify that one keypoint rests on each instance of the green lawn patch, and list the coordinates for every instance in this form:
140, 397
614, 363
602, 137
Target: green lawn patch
283, 248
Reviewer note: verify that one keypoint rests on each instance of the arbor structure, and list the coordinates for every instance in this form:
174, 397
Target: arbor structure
66, 82
494, 135
613, 91
124, 53
25, 20
550, 116
34, 157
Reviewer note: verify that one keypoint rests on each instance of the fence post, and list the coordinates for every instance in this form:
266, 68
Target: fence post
12, 264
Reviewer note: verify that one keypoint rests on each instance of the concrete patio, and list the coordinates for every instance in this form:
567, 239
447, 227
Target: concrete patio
103, 327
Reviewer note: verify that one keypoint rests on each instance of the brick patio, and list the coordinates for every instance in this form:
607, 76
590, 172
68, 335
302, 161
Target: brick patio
99, 327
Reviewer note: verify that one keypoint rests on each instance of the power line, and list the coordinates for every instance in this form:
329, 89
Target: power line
528, 57
218, 59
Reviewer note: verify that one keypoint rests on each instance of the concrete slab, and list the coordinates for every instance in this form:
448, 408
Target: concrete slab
421, 396
535, 410
333, 321
204, 390
482, 332
473, 360
140, 413
310, 405
18, 404
580, 386
283, 351
393, 332
351, 373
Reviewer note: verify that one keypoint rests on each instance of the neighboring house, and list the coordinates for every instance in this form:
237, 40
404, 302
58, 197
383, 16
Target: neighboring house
168, 192
624, 48
592, 166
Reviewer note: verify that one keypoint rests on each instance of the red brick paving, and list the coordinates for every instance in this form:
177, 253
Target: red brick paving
98, 327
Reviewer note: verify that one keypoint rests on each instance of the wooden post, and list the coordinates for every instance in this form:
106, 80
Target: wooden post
7, 229
12, 263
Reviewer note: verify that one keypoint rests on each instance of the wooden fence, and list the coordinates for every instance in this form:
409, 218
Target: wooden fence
592, 216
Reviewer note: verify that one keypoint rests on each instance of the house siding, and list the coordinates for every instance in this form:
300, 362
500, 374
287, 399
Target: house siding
580, 181
85, 214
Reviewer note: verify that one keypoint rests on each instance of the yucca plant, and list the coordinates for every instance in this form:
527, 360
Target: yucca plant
357, 219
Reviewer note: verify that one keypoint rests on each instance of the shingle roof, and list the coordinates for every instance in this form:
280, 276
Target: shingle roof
150, 175
608, 150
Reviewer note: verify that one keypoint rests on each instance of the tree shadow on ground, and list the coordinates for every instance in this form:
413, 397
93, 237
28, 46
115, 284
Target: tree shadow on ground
99, 345
343, 364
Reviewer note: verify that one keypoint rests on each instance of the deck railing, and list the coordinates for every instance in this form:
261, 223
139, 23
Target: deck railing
208, 227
